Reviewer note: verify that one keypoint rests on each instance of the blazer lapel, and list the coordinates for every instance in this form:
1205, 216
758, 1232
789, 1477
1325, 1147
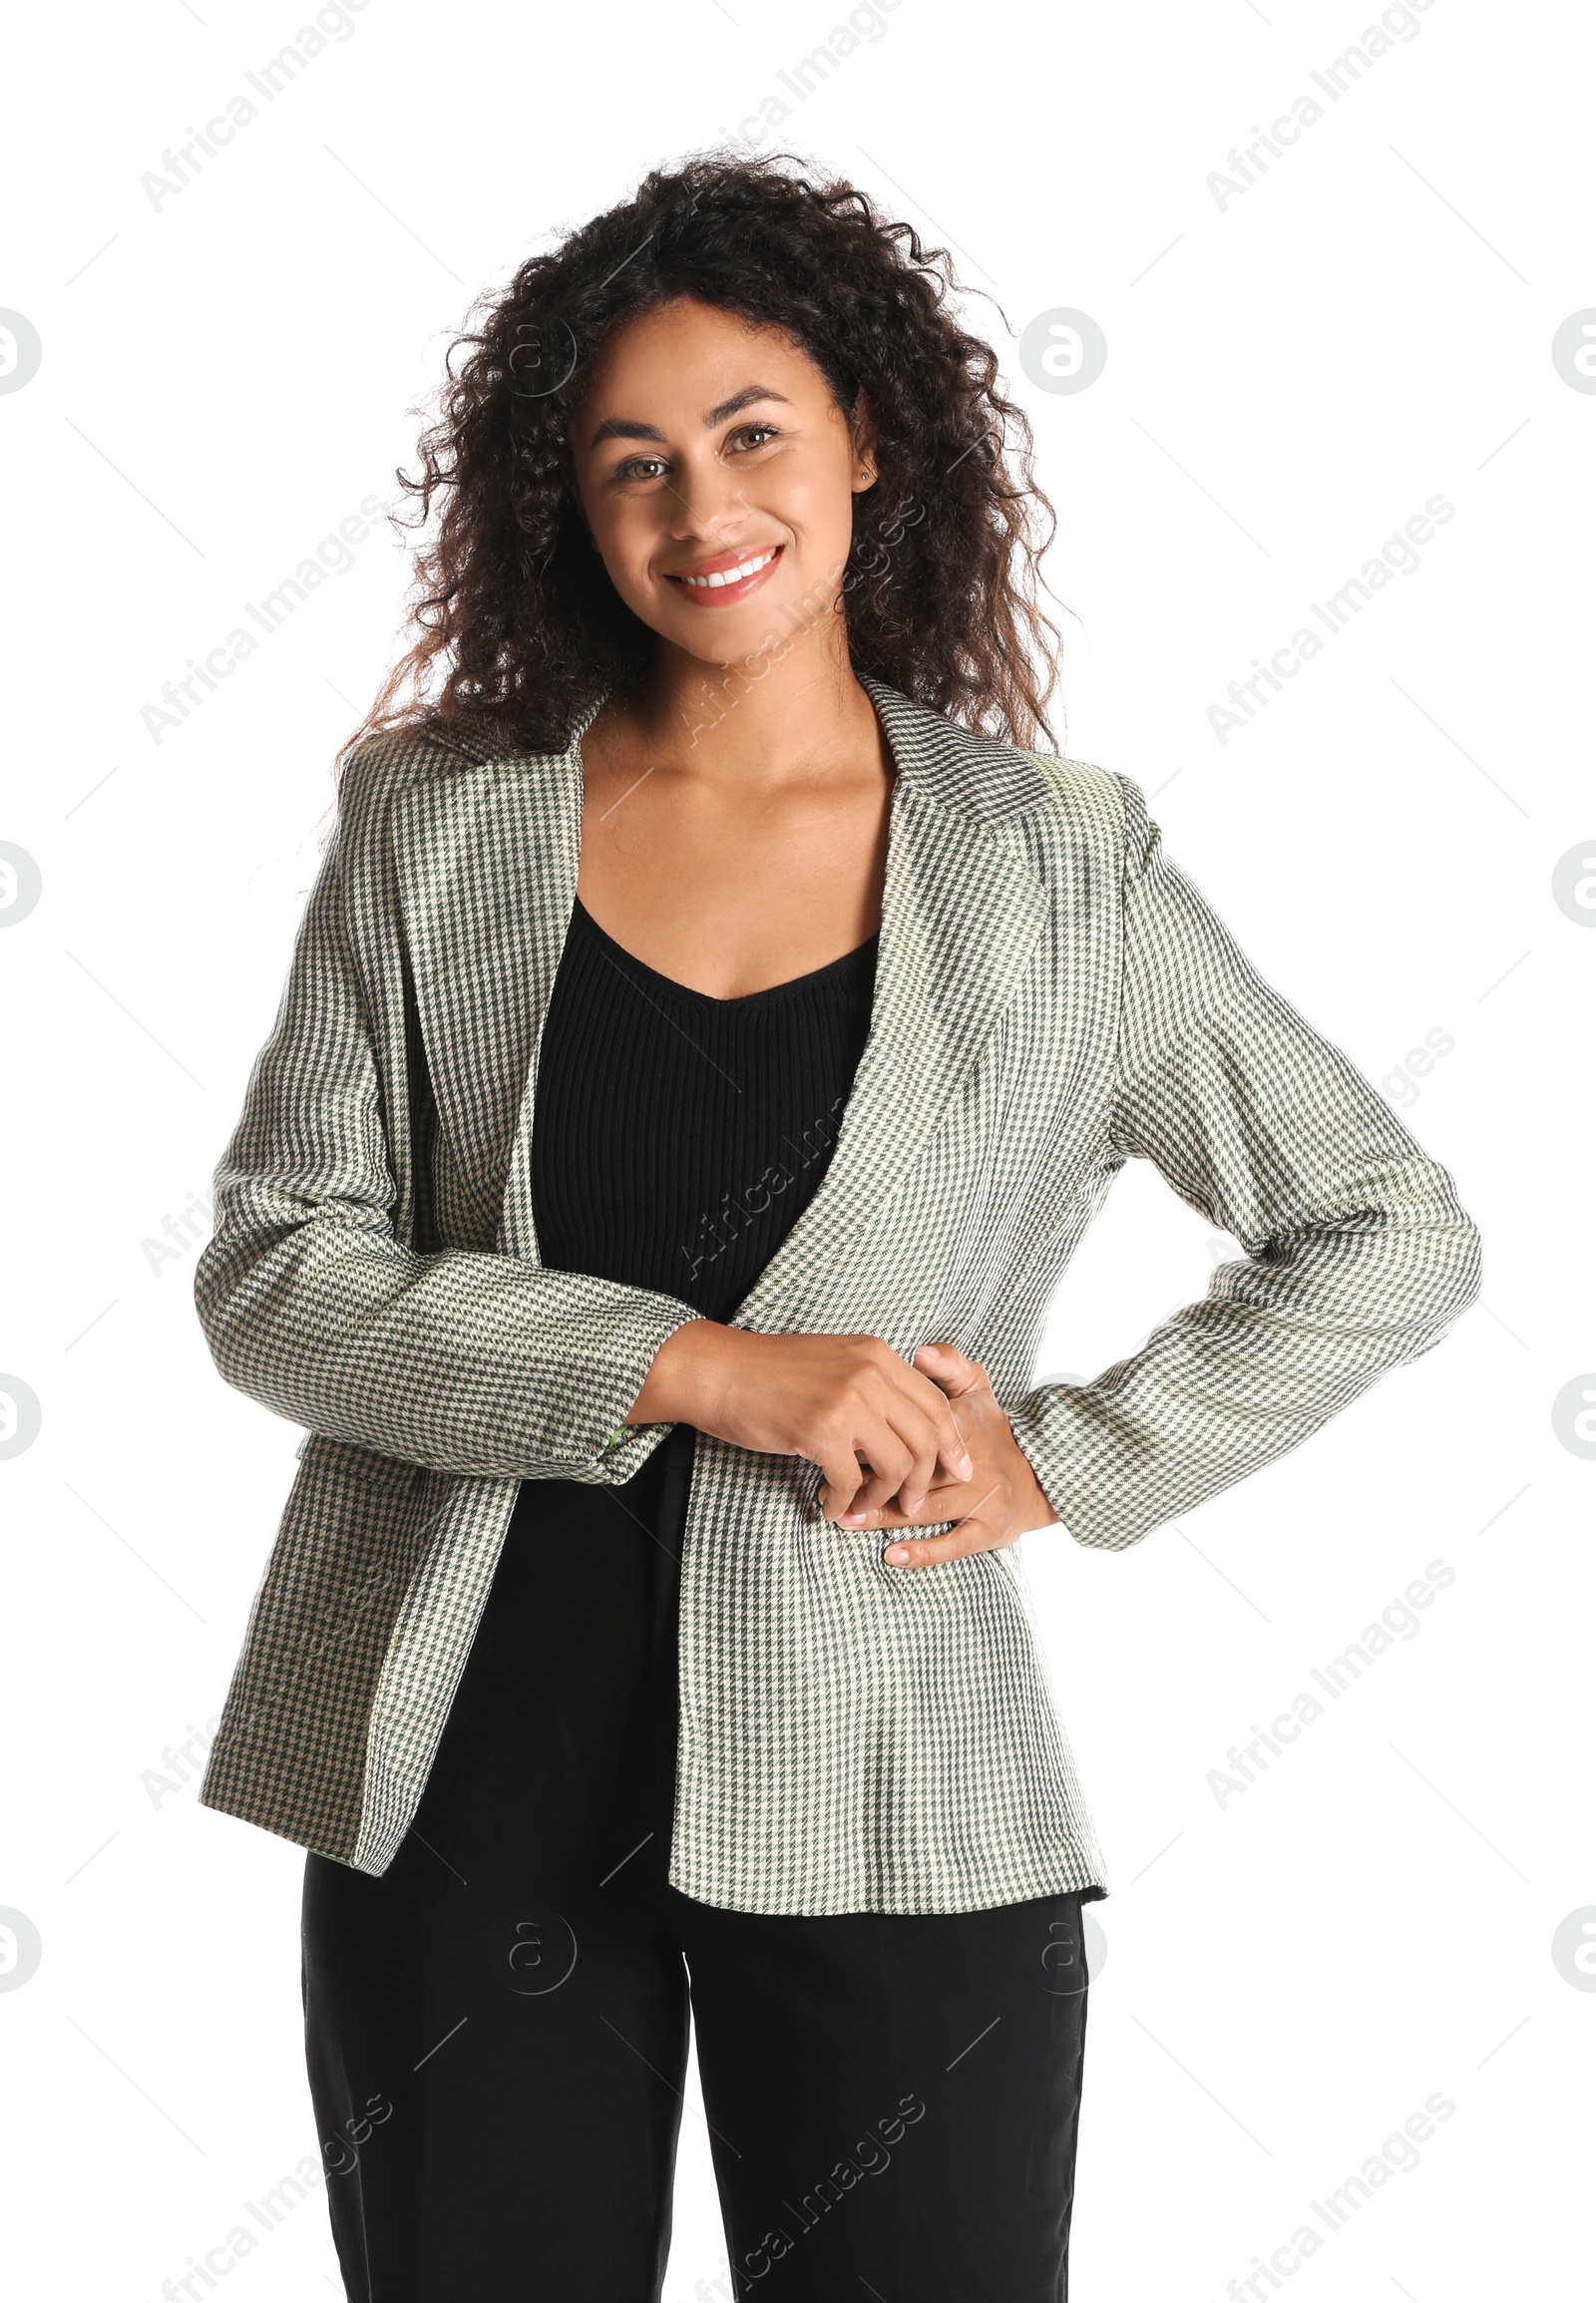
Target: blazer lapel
486, 857
487, 860
960, 916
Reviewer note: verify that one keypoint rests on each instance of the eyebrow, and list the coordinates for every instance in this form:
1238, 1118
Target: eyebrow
630, 428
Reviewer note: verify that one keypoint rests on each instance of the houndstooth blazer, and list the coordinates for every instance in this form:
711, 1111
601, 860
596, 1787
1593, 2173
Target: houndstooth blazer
1053, 997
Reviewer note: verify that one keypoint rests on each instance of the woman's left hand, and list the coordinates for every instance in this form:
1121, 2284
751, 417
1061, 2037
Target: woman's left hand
994, 1507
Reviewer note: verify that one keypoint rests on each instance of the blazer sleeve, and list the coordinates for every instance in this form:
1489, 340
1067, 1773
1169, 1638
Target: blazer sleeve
475, 1364
1357, 1255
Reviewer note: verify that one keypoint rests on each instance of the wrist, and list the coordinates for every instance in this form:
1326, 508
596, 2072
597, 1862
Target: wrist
674, 1390
1033, 1506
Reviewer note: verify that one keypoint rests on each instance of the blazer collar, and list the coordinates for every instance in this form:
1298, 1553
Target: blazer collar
487, 865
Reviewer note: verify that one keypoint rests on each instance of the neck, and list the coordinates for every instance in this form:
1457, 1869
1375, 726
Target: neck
794, 709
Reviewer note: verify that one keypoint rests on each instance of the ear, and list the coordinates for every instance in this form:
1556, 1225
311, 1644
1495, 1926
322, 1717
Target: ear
862, 433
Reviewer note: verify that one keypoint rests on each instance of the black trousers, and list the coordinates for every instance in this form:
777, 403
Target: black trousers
497, 2029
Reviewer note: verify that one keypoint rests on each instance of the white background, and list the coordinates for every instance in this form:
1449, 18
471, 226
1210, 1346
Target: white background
1289, 1975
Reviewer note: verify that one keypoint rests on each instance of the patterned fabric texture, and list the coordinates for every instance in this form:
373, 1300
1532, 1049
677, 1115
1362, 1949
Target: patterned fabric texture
1053, 997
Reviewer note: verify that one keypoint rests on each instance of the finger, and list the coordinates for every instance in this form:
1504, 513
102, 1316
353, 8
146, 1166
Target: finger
842, 1474
983, 1528
970, 1535
949, 1367
904, 1448
952, 1450
923, 1434
949, 1500
890, 1462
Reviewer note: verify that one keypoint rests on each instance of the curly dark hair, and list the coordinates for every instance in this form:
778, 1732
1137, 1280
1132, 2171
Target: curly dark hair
511, 605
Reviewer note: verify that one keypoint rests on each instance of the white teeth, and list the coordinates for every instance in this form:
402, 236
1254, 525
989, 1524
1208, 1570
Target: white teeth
744, 568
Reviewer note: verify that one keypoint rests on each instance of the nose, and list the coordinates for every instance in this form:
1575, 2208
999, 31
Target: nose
709, 503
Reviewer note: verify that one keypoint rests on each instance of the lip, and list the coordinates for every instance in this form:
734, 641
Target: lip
724, 594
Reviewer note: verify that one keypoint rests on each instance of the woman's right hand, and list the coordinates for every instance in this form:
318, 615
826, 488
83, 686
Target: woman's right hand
842, 1402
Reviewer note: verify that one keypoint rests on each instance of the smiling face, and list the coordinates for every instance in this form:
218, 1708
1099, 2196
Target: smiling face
717, 476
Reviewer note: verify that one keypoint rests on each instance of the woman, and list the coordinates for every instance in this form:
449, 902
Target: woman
713, 1029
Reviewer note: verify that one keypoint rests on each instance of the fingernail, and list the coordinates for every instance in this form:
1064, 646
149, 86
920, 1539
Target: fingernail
966, 1469
899, 1555
850, 1519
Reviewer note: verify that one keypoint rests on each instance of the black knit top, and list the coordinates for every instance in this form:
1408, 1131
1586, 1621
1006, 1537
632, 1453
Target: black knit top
676, 1138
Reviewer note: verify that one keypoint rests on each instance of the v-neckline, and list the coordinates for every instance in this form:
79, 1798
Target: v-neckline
811, 979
